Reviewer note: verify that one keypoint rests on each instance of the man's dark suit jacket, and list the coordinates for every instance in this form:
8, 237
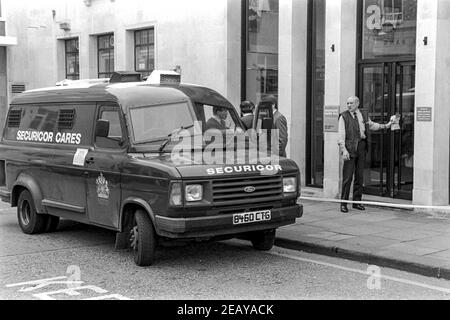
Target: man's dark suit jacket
280, 123
248, 121
212, 123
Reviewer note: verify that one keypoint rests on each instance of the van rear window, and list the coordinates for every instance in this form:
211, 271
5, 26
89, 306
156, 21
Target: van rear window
56, 124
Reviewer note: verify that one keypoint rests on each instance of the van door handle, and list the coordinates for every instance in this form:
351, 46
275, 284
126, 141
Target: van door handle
90, 160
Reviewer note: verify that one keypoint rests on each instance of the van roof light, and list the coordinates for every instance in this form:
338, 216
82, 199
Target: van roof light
164, 77
125, 76
83, 83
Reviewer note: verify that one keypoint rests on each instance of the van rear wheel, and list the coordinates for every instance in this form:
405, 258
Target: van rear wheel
263, 240
29, 220
143, 239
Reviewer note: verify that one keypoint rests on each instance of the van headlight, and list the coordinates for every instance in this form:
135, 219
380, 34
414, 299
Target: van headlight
289, 185
175, 194
194, 192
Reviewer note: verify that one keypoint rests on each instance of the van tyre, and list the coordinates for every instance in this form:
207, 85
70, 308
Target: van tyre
143, 239
263, 240
29, 220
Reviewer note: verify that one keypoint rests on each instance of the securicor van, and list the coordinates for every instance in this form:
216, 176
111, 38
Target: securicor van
99, 154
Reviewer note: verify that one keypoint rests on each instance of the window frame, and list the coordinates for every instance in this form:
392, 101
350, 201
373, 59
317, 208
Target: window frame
115, 108
245, 51
110, 50
148, 45
75, 75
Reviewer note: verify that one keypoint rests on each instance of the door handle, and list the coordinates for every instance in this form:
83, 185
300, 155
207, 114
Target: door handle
90, 160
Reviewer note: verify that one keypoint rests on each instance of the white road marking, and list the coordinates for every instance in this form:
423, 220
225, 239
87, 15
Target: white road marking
404, 281
71, 291
109, 297
68, 291
35, 282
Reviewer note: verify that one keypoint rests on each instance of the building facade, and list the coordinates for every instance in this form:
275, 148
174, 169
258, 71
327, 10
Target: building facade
311, 54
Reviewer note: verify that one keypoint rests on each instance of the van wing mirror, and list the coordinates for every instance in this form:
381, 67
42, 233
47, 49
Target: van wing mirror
102, 128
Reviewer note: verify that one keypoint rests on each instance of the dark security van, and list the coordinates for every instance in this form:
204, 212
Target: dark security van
100, 154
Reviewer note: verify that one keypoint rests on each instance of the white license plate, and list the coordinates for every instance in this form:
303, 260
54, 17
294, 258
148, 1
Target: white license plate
249, 217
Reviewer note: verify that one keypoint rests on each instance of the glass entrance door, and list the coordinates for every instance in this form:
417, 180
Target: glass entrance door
385, 90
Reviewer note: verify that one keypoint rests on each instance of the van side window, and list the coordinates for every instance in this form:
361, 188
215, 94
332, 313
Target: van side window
51, 124
115, 135
14, 118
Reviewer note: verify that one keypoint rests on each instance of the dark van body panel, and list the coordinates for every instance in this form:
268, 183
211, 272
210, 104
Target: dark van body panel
47, 168
107, 184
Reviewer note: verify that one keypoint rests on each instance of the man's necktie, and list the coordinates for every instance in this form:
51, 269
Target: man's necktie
222, 122
357, 122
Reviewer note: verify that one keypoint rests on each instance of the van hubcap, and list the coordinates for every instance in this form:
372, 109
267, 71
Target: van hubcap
134, 234
25, 212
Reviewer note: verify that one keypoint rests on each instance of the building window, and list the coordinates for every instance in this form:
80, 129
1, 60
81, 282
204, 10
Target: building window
388, 28
261, 45
105, 55
144, 51
315, 166
72, 59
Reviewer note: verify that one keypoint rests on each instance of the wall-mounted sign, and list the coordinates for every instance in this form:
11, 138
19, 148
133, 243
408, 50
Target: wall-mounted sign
331, 118
423, 114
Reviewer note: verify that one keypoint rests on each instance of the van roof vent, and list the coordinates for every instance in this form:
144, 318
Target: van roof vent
66, 119
164, 77
14, 117
125, 76
17, 88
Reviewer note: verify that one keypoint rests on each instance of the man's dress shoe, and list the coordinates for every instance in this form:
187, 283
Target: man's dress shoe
344, 208
359, 207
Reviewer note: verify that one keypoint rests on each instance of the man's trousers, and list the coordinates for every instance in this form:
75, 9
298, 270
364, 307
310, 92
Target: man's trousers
354, 166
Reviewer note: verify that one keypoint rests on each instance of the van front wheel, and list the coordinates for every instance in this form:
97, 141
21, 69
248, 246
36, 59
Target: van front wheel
143, 239
29, 220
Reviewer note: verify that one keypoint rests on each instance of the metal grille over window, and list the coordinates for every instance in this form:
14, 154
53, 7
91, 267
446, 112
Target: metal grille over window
17, 88
236, 191
14, 118
65, 120
170, 78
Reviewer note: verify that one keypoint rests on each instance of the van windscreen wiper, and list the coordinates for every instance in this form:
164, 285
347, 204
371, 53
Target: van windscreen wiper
176, 131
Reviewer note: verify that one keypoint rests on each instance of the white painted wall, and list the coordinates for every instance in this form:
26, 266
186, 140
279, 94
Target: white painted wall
292, 76
192, 34
431, 140
340, 68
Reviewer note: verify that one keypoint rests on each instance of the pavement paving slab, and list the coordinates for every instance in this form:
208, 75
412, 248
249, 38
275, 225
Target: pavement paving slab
401, 239
370, 241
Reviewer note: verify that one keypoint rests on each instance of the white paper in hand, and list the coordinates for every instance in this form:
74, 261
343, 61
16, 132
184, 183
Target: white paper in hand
395, 120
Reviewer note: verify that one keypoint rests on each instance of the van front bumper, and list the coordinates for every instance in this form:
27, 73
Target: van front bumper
222, 225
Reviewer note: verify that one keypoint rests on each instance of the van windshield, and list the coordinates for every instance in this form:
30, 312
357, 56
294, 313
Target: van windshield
155, 123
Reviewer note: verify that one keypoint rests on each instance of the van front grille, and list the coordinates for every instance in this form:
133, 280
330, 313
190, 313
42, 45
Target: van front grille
228, 192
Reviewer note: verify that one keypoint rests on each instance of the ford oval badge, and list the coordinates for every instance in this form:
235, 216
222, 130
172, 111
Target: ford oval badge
249, 189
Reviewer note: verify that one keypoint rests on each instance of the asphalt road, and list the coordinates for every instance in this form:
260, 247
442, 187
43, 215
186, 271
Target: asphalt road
83, 256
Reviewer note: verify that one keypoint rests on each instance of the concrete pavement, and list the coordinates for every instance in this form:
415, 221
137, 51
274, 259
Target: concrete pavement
400, 239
